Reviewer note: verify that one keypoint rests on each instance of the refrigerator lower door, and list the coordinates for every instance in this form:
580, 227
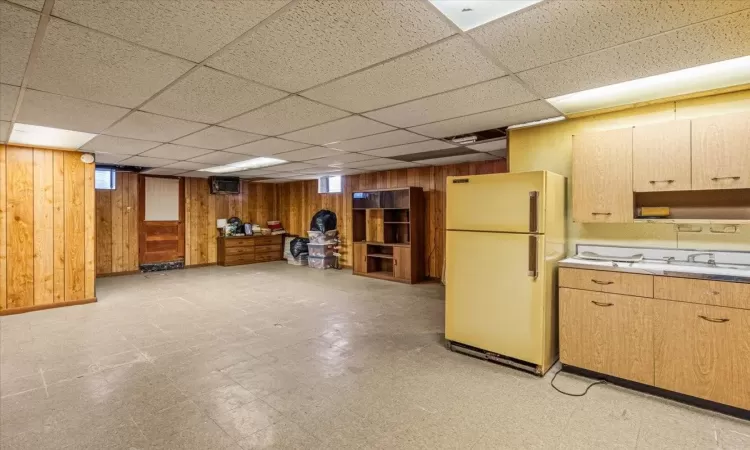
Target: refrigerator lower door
495, 291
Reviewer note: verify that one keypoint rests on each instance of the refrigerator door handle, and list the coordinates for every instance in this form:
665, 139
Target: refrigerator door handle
533, 211
533, 269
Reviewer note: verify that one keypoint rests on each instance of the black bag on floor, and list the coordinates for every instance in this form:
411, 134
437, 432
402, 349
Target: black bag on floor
323, 220
298, 246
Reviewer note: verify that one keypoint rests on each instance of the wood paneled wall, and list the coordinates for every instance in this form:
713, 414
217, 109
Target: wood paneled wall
298, 201
117, 226
47, 238
255, 203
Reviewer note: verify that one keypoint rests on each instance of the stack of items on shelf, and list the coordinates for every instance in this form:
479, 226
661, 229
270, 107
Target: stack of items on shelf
256, 228
324, 242
298, 251
275, 227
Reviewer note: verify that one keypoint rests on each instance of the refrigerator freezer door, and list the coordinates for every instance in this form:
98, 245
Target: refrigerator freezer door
495, 293
510, 202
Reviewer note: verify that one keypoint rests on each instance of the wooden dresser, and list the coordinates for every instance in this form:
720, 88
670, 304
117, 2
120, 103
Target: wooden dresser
236, 250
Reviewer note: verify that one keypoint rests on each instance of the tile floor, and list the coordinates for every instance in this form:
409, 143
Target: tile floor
278, 356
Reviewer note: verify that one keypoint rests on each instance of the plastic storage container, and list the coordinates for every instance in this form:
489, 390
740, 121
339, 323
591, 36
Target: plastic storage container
327, 262
301, 260
321, 250
318, 237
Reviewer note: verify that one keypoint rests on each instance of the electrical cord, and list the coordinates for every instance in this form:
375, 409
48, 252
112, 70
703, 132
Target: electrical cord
552, 383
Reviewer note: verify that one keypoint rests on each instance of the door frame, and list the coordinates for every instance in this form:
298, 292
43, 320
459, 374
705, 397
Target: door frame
142, 215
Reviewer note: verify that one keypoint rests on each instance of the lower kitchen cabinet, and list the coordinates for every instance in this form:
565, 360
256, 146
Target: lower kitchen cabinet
703, 351
607, 333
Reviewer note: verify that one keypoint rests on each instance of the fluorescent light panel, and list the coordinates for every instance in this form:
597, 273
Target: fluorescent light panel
255, 163
48, 137
537, 122
718, 75
468, 14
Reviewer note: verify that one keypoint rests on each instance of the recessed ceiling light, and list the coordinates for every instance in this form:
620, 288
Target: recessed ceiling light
537, 122
48, 137
255, 163
468, 14
718, 75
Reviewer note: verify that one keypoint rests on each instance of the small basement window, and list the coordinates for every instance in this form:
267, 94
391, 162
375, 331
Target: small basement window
329, 185
104, 179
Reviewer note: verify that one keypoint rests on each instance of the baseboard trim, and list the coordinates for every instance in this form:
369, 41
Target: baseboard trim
25, 309
117, 274
192, 266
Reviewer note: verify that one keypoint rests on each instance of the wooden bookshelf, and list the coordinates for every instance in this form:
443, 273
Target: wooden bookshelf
387, 227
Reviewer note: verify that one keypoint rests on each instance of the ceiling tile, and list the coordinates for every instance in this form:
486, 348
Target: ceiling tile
560, 29
57, 111
458, 159
719, 39
33, 4
109, 158
490, 146
192, 30
316, 41
207, 95
341, 158
143, 125
512, 115
17, 30
8, 98
305, 177
321, 171
304, 154
187, 165
395, 165
486, 96
418, 147
266, 147
291, 167
4, 131
339, 130
254, 173
81, 63
451, 64
197, 174
220, 158
119, 145
144, 161
289, 114
368, 164
456, 151
178, 152
162, 171
217, 138
378, 140
500, 153
275, 180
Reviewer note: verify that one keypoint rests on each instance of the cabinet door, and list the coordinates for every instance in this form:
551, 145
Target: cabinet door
359, 258
721, 155
661, 157
607, 333
402, 263
603, 177
703, 351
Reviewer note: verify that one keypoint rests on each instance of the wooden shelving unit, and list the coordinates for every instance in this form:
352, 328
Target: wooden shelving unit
387, 229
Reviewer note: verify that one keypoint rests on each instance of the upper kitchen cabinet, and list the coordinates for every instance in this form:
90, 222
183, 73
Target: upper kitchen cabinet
721, 152
661, 157
603, 177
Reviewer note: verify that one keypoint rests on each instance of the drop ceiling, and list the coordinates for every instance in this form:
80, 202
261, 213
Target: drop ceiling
332, 87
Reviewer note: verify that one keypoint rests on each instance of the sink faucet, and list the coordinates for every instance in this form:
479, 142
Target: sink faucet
711, 261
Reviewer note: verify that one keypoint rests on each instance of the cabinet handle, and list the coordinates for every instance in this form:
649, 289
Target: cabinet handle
661, 181
603, 283
602, 304
711, 319
724, 178
533, 269
533, 208
601, 214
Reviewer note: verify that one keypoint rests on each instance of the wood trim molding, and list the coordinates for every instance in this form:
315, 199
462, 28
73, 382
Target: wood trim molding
9, 312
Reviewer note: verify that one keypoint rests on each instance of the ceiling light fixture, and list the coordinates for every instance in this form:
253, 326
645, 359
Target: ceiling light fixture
731, 72
537, 122
48, 137
255, 163
468, 14
464, 140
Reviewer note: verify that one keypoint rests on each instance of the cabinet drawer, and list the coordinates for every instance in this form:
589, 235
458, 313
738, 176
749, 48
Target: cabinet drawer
267, 248
703, 351
239, 251
239, 259
607, 333
613, 282
239, 242
268, 240
268, 256
717, 293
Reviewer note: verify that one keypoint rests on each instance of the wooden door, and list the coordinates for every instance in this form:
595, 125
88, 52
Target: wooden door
703, 351
402, 263
359, 261
721, 152
661, 157
607, 333
603, 177
161, 240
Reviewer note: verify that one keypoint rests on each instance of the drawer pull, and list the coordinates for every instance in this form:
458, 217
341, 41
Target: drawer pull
661, 181
715, 292
603, 283
601, 213
602, 304
711, 319
724, 178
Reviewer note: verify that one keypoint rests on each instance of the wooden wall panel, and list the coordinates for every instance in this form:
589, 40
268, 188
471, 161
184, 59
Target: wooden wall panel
44, 196
103, 231
117, 226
